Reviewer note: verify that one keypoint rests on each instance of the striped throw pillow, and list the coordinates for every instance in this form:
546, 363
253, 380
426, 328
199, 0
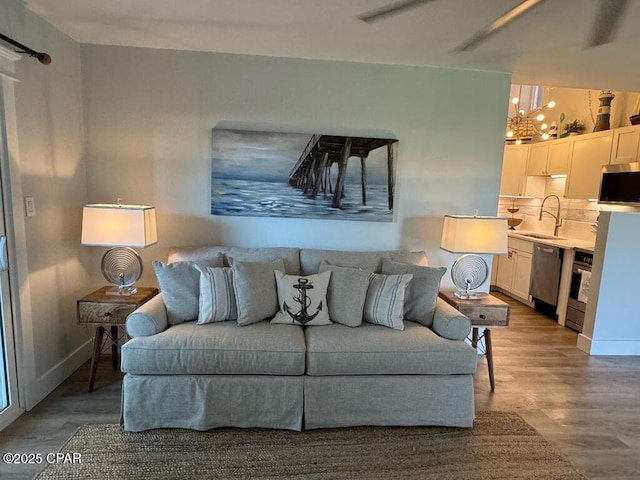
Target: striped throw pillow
217, 301
385, 300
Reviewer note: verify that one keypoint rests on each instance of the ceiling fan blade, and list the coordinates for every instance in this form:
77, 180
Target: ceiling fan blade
391, 9
608, 20
497, 24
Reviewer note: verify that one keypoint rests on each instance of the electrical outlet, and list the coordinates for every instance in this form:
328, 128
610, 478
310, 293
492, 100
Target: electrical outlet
30, 206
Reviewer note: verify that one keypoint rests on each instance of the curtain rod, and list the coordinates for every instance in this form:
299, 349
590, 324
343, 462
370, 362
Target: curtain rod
42, 57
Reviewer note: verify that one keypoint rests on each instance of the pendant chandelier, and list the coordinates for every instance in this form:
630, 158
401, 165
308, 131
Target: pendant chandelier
524, 125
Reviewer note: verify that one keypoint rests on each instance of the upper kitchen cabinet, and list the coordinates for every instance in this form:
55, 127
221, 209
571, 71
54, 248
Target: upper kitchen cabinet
588, 154
548, 158
514, 162
626, 143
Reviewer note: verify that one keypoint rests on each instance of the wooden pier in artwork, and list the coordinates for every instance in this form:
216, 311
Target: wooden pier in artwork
311, 172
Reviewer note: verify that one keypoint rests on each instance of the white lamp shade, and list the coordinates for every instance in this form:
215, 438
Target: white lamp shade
107, 225
474, 234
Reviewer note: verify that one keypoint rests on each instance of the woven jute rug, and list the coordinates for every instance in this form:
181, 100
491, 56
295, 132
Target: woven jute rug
500, 446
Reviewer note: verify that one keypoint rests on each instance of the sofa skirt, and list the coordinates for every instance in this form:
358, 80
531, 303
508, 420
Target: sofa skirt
202, 402
344, 401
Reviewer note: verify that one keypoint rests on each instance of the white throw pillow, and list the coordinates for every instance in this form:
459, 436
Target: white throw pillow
217, 298
302, 300
385, 300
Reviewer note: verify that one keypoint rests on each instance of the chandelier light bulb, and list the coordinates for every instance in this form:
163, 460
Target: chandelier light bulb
518, 142
551, 104
540, 117
545, 136
510, 133
520, 112
543, 126
515, 100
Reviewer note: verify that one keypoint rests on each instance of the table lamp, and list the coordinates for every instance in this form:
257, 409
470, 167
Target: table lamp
472, 235
122, 227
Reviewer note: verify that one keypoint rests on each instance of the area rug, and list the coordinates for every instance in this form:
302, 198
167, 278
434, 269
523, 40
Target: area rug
501, 445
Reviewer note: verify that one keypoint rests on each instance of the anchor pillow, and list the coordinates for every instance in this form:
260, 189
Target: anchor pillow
302, 300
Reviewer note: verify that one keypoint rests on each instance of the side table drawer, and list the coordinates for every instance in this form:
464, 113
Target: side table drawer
489, 316
92, 312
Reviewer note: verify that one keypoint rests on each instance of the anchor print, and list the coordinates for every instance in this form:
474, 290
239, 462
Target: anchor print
302, 316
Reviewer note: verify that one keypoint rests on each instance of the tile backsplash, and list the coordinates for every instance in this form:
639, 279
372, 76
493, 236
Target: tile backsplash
578, 216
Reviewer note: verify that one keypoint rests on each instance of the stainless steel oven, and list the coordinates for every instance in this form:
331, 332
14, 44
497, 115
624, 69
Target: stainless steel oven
579, 290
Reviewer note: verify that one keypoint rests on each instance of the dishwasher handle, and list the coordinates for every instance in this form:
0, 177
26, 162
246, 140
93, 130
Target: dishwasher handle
542, 249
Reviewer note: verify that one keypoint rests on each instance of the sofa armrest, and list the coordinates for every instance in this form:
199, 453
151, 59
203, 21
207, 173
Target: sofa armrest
149, 319
449, 322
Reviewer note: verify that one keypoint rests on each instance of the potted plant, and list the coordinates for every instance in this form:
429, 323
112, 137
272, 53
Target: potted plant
574, 128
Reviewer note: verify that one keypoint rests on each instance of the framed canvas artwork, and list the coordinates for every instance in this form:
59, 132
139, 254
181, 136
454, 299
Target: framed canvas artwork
271, 174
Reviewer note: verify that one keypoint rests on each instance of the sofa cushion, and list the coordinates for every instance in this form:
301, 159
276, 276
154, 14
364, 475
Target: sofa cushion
290, 256
377, 350
302, 300
310, 259
422, 292
217, 298
347, 293
180, 286
255, 288
217, 348
384, 304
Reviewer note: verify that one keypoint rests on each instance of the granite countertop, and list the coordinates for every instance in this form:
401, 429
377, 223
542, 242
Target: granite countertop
562, 242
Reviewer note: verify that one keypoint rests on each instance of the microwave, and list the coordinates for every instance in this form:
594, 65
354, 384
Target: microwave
620, 184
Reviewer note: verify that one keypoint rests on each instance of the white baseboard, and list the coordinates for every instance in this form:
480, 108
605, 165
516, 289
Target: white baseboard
608, 347
51, 379
584, 343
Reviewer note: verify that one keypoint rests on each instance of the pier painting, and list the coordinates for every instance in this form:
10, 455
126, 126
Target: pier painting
272, 174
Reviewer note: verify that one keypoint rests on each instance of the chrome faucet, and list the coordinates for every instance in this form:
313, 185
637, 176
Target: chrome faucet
557, 216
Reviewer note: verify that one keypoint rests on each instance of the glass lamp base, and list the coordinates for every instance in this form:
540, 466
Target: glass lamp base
124, 292
467, 295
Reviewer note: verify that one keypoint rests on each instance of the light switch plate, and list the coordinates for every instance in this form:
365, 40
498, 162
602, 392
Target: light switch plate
30, 206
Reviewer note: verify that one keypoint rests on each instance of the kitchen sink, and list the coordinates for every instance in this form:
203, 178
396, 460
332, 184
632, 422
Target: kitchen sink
541, 236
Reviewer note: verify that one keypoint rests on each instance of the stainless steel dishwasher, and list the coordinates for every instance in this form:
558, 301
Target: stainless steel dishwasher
545, 275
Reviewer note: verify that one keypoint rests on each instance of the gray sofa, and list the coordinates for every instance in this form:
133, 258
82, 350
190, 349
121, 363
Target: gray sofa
268, 375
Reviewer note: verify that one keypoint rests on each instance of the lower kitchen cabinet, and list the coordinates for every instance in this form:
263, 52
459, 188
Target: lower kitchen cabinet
514, 269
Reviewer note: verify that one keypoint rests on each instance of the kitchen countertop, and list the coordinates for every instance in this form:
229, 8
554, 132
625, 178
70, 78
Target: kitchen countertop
562, 242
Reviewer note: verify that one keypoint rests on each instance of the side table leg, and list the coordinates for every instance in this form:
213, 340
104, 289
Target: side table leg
474, 337
489, 354
114, 347
97, 346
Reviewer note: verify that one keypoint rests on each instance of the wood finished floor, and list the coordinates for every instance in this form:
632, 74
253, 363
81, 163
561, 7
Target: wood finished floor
589, 407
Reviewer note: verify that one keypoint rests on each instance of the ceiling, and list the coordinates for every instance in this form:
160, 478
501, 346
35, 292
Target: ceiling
545, 46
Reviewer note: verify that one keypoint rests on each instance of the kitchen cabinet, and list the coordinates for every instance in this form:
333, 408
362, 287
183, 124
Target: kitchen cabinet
626, 144
538, 155
558, 160
514, 162
548, 158
514, 268
588, 154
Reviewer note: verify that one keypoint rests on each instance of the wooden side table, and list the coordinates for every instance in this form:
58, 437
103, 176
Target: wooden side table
486, 312
105, 310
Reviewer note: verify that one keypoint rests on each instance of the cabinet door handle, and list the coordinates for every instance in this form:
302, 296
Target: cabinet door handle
4, 264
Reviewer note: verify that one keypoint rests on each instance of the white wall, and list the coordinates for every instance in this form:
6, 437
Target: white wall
612, 318
49, 166
149, 115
